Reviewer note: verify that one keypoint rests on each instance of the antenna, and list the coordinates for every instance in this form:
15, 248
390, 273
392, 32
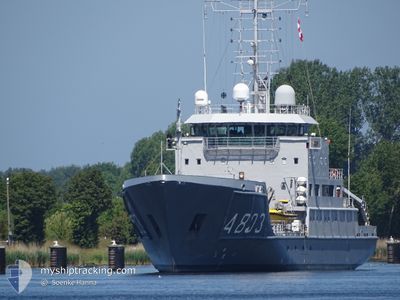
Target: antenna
204, 48
348, 158
255, 29
179, 137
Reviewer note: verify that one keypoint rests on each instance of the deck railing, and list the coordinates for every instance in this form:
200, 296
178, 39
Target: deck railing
335, 173
240, 142
250, 108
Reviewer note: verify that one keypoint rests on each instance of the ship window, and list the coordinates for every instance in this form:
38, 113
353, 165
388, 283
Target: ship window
296, 160
199, 161
316, 190
259, 130
236, 130
197, 222
271, 130
212, 131
301, 130
281, 130
186, 161
291, 130
198, 130
325, 190
315, 143
221, 130
331, 188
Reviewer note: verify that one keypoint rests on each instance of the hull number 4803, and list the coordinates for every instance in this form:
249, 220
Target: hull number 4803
247, 224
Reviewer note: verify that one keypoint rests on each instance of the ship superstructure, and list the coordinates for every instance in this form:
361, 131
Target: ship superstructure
253, 188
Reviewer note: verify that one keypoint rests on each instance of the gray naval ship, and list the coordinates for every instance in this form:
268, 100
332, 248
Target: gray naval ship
252, 189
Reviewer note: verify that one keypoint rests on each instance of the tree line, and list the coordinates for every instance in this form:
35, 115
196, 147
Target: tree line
367, 101
78, 205
82, 204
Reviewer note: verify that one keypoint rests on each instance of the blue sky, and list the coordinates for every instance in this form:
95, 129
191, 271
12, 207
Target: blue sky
82, 81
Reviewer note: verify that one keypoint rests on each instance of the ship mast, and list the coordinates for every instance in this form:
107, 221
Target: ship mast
257, 53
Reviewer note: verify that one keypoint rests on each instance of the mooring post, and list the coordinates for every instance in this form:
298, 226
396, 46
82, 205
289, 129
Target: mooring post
116, 256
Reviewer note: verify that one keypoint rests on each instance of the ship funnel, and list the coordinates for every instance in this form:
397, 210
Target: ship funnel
201, 98
241, 92
285, 96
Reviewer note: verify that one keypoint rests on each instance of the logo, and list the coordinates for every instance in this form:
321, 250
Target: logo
20, 275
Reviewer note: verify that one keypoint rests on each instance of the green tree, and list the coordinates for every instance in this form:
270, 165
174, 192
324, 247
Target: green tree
330, 94
58, 226
114, 223
32, 196
88, 196
379, 181
3, 225
112, 175
61, 176
145, 157
382, 108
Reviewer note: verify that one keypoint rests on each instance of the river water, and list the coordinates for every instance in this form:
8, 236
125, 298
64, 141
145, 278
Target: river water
372, 280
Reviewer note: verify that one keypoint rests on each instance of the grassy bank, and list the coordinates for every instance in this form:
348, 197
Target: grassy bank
380, 251
39, 256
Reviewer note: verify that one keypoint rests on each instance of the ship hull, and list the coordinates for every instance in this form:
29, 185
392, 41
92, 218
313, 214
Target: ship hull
205, 224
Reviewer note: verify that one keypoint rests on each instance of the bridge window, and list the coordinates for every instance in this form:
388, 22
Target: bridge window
292, 130
199, 161
296, 160
281, 129
259, 130
198, 130
240, 130
186, 161
221, 130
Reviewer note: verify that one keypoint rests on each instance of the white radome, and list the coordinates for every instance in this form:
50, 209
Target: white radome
285, 95
201, 98
241, 92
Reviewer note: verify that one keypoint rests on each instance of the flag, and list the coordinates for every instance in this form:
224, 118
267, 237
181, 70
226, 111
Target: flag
301, 36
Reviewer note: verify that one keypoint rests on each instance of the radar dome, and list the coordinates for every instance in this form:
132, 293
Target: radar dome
241, 92
285, 95
201, 98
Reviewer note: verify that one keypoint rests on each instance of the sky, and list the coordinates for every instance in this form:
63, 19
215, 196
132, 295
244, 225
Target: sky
82, 80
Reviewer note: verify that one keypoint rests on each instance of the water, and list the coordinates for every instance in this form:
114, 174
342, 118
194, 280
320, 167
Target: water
372, 280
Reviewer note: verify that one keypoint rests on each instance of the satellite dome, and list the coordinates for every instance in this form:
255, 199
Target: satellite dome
201, 98
285, 95
241, 92
301, 181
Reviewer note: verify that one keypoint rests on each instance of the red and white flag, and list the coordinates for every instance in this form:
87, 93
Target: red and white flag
301, 36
